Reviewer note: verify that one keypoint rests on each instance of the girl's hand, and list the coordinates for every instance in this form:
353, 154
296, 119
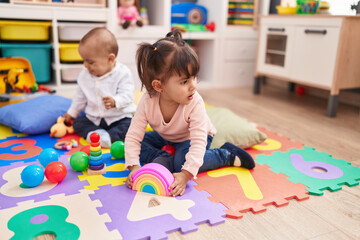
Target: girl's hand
109, 102
179, 184
133, 169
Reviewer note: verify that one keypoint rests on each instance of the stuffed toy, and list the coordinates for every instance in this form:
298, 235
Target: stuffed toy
128, 14
60, 129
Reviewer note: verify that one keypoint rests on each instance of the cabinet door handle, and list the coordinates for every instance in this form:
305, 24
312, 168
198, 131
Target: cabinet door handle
276, 29
309, 31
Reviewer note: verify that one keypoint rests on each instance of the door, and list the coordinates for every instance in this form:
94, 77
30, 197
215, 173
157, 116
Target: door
314, 55
274, 50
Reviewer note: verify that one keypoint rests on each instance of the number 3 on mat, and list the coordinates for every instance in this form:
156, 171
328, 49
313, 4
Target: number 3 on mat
27, 145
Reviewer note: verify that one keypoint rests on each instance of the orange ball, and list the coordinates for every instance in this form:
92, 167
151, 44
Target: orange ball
55, 172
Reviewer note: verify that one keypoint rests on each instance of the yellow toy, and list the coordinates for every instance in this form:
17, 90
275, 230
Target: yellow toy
16, 73
60, 129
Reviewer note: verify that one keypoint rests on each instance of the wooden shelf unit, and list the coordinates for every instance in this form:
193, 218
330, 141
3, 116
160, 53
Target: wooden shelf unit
65, 3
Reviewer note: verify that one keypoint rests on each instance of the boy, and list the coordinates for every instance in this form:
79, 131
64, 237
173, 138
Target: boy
105, 90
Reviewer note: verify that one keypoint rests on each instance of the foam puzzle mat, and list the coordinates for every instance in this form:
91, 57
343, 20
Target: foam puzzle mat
86, 206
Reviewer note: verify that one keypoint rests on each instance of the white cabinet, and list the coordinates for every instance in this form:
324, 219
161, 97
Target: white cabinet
317, 51
314, 56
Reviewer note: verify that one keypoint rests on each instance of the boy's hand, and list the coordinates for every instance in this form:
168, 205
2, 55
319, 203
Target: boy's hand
109, 102
67, 118
133, 169
179, 184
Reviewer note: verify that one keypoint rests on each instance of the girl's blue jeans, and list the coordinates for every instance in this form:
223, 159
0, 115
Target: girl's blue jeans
153, 142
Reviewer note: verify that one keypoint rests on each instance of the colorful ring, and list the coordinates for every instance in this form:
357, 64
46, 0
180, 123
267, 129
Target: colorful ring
95, 163
97, 167
95, 158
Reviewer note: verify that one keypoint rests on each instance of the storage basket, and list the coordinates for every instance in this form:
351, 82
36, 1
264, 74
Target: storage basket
307, 6
286, 10
75, 31
70, 74
38, 55
69, 52
24, 30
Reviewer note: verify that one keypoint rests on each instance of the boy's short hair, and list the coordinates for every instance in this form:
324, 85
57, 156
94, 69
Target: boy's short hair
104, 38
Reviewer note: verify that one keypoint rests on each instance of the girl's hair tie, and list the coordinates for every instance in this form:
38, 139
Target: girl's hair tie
155, 49
172, 36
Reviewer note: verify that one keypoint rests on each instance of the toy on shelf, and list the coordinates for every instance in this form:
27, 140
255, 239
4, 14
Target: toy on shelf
188, 13
15, 74
60, 129
96, 162
355, 7
153, 178
193, 27
143, 13
190, 17
241, 13
307, 6
128, 14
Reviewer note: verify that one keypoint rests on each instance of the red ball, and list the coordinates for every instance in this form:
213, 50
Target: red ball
55, 172
94, 137
300, 90
170, 149
86, 149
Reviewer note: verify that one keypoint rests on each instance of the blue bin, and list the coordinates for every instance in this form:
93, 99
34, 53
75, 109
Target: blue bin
38, 55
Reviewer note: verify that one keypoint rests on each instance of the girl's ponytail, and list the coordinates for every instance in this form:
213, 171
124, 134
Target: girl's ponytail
143, 58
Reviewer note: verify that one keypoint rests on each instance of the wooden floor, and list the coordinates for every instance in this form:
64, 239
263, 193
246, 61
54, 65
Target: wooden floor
334, 215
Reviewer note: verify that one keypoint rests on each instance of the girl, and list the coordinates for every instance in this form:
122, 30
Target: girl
176, 112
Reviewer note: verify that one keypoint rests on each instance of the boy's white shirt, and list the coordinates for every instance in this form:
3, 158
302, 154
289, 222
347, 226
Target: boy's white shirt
118, 84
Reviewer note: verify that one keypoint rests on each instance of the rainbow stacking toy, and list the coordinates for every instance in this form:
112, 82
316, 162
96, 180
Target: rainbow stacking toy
153, 178
96, 162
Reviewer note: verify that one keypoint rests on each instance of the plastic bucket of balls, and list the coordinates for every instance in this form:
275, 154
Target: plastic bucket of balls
307, 6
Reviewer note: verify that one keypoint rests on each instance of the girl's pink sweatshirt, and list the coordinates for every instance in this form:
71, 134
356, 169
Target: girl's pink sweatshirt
190, 122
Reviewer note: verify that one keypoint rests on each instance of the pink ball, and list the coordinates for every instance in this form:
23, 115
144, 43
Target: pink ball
55, 172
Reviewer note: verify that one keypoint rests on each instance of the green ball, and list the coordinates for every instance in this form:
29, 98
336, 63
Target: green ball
79, 161
117, 150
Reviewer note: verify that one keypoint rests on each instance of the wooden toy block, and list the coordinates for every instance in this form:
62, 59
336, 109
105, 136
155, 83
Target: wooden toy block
96, 172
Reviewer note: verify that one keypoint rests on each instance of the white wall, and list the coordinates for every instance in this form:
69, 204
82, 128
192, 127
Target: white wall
342, 7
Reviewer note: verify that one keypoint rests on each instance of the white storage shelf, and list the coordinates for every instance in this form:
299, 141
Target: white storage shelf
227, 55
